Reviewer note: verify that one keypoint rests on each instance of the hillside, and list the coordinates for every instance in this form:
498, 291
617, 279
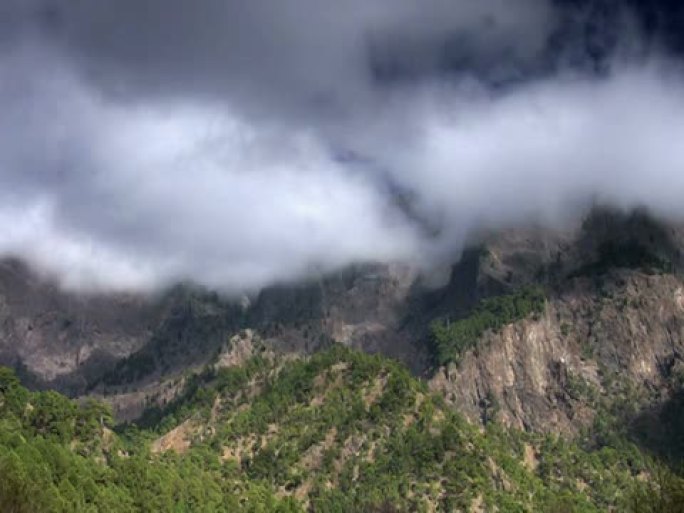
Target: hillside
545, 375
599, 332
547, 325
118, 343
386, 256
338, 431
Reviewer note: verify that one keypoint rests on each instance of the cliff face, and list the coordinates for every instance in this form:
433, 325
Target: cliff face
611, 329
113, 344
365, 307
54, 337
592, 341
611, 335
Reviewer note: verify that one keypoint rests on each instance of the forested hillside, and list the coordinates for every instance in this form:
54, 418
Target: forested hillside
369, 256
340, 431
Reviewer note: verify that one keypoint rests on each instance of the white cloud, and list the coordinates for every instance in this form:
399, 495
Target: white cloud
228, 177
138, 195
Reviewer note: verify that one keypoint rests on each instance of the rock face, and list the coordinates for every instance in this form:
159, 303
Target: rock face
613, 326
365, 307
630, 328
73, 342
54, 337
613, 322
110, 344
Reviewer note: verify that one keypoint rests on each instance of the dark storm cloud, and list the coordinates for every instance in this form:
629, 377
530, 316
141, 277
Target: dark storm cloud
241, 143
300, 56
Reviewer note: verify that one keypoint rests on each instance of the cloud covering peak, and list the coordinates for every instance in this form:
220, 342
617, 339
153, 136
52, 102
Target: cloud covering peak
238, 144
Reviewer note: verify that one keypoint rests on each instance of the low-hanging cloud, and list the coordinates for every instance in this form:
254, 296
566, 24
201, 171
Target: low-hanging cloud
241, 144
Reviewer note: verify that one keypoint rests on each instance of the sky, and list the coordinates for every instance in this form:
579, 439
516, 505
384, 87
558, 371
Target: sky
241, 144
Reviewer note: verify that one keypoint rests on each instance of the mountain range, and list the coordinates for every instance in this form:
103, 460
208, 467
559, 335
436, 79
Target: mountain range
542, 345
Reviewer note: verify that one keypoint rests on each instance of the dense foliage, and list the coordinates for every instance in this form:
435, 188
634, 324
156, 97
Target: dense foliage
59, 456
626, 255
338, 432
453, 338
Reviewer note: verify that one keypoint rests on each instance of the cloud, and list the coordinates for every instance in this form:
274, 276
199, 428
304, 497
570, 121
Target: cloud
548, 150
131, 196
302, 58
241, 144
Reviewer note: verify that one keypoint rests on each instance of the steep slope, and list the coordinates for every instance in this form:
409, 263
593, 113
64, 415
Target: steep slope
116, 344
625, 332
609, 334
338, 431
610, 323
60, 339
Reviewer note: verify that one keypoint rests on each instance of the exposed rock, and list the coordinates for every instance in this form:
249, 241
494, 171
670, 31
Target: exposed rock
615, 308
630, 325
240, 348
63, 339
178, 439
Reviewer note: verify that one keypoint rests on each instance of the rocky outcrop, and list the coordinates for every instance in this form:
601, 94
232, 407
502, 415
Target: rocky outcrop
614, 308
364, 306
58, 338
120, 344
627, 326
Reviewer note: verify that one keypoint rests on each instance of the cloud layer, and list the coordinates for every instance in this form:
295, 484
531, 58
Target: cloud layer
241, 144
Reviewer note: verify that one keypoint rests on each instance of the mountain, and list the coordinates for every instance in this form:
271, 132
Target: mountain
337, 431
74, 342
546, 374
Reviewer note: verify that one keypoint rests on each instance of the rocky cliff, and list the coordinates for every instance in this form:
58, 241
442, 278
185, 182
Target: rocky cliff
625, 333
611, 326
611, 334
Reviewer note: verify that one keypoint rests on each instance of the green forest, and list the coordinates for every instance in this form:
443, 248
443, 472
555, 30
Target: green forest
453, 338
340, 431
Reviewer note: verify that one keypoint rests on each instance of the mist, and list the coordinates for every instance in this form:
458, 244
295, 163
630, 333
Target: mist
237, 145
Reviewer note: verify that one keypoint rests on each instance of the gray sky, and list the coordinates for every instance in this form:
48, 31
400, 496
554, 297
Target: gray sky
238, 144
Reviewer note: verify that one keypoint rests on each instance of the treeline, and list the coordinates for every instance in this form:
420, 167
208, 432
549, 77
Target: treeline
349, 432
451, 339
340, 431
60, 456
627, 255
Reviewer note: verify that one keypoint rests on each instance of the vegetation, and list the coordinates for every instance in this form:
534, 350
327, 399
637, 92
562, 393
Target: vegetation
59, 456
664, 493
627, 255
452, 339
340, 431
